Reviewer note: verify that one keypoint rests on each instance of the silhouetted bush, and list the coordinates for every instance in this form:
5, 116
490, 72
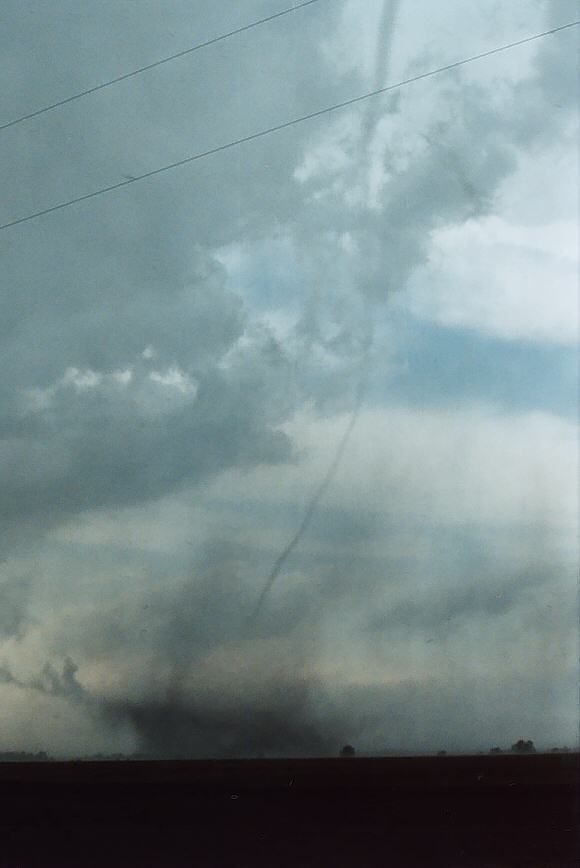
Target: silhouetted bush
347, 750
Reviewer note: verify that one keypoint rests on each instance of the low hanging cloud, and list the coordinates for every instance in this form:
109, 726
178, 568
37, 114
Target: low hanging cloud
449, 467
14, 594
97, 439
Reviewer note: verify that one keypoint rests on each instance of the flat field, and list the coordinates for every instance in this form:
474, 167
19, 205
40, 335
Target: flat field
460, 812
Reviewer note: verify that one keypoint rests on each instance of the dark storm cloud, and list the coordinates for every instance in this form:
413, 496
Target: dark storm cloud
176, 706
113, 442
277, 720
107, 450
442, 609
181, 625
14, 596
137, 271
90, 289
61, 682
52, 680
195, 684
107, 281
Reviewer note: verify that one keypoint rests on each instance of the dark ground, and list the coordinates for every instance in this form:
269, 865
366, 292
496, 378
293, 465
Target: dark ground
458, 812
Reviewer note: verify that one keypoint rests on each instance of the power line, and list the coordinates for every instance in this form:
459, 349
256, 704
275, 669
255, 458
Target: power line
156, 63
262, 133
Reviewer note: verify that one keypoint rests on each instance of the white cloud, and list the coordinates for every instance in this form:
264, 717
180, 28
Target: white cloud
37, 400
81, 380
508, 281
123, 377
330, 156
174, 378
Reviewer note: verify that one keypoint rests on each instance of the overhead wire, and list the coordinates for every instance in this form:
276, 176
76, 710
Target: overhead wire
156, 63
278, 127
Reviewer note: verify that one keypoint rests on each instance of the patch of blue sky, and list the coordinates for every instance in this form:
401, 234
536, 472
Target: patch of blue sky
266, 274
435, 366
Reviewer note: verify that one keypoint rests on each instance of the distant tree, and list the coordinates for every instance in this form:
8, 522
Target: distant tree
17, 756
560, 750
441, 753
496, 750
347, 750
522, 746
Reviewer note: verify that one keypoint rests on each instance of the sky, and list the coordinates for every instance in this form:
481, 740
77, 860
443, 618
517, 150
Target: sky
288, 435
